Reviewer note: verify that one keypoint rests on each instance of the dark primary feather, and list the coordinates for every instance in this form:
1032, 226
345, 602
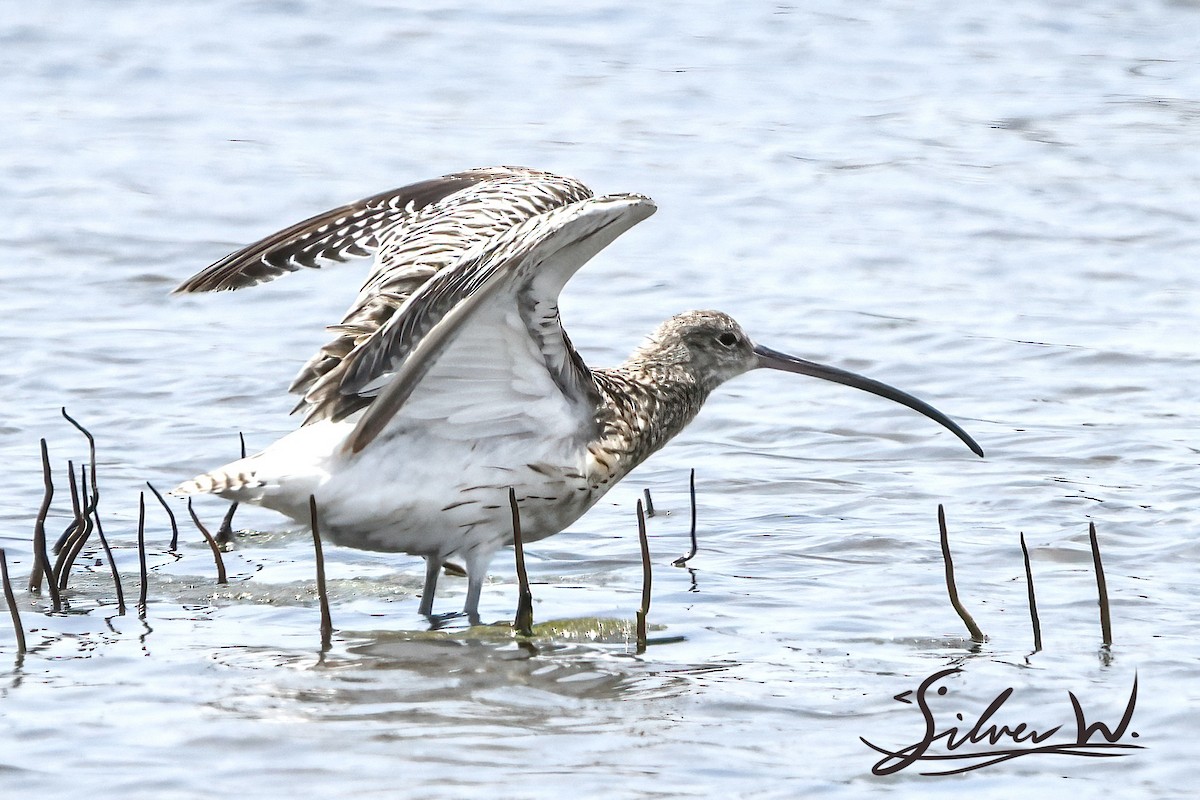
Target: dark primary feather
414, 232
354, 230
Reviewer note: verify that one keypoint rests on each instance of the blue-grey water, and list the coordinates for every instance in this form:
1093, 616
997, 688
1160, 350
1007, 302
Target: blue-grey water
994, 206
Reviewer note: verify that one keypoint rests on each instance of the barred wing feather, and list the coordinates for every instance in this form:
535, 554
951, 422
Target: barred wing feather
413, 232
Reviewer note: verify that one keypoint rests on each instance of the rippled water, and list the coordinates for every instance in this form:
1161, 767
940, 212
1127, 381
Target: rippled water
994, 208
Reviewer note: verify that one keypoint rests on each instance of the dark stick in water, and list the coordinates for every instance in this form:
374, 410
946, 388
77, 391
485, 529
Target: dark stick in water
12, 604
73, 528
523, 622
91, 462
976, 634
86, 509
112, 566
1101, 587
41, 561
141, 540
1037, 625
644, 611
225, 532
682, 560
83, 529
212, 544
322, 594
171, 515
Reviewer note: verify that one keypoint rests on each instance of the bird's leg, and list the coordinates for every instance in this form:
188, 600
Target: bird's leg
474, 590
476, 562
432, 567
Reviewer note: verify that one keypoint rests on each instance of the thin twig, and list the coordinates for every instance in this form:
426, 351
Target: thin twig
1101, 587
75, 523
523, 621
225, 532
649, 503
976, 634
682, 560
76, 520
322, 594
12, 604
212, 544
112, 566
141, 540
1037, 625
91, 460
86, 527
171, 515
94, 510
83, 529
644, 611
41, 567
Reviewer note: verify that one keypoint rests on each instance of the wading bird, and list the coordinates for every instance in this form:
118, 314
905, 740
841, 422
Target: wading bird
451, 379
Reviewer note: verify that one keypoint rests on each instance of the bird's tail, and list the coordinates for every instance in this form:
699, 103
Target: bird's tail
232, 481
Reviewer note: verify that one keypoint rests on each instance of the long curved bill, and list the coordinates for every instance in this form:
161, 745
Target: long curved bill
773, 359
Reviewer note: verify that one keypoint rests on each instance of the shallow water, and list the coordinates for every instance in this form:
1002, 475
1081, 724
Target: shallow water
995, 209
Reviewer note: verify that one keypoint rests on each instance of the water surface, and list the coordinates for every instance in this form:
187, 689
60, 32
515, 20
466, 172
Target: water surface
995, 209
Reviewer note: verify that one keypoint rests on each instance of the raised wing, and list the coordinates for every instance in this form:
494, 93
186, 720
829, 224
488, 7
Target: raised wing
413, 232
480, 344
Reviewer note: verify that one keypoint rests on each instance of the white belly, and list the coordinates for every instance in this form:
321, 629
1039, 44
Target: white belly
419, 494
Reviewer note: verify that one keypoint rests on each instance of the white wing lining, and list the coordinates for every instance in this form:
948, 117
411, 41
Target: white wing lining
523, 268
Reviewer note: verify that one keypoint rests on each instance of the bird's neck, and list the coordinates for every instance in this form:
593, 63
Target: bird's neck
643, 406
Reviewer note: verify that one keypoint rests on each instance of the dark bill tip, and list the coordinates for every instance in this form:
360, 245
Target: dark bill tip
773, 359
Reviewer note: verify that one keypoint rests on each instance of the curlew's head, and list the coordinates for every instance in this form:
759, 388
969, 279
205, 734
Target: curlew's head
711, 347
707, 345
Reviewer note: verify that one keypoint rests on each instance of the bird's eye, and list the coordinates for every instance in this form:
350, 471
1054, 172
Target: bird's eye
728, 339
